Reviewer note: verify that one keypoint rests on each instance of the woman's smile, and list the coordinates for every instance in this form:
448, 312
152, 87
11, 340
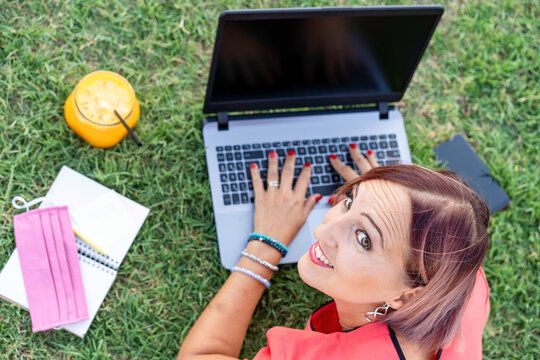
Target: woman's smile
319, 257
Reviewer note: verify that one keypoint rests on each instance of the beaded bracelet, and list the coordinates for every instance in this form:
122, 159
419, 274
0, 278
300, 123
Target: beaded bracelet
259, 260
269, 241
252, 274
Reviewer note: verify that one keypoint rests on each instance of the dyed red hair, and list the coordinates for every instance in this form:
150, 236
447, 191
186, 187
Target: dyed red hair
448, 242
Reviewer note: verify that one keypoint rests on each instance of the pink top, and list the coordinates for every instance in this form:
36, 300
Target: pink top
323, 338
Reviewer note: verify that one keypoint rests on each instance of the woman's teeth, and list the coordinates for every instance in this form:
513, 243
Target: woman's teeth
320, 256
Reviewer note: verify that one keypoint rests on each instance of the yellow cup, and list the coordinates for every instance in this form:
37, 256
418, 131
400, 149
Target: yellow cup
89, 109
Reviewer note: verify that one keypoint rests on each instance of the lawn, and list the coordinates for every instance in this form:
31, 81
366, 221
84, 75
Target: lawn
479, 77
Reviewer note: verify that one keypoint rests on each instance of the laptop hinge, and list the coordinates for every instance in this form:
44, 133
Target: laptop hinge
383, 111
223, 120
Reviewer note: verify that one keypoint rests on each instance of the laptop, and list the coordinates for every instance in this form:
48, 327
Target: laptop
314, 80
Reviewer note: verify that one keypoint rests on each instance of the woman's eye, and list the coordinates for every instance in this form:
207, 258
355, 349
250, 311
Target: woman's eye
363, 239
348, 203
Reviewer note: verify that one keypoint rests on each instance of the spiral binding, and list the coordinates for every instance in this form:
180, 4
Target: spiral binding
91, 257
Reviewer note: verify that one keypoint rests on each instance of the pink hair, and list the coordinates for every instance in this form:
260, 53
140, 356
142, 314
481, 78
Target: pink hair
448, 242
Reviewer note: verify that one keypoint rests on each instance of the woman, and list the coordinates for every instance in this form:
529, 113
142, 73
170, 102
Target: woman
399, 252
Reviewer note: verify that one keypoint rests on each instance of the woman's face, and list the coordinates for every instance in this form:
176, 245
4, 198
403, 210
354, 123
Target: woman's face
361, 246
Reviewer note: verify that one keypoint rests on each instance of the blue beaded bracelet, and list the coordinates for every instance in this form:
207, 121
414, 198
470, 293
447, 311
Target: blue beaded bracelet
269, 241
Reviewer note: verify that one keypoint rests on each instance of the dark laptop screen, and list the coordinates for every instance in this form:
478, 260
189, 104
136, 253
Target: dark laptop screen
280, 59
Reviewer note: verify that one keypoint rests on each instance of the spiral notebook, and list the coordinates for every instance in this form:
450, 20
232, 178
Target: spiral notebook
80, 194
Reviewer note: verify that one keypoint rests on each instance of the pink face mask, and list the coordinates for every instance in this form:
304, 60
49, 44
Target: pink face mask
50, 267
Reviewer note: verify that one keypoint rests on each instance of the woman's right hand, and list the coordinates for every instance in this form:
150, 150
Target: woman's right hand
364, 163
281, 209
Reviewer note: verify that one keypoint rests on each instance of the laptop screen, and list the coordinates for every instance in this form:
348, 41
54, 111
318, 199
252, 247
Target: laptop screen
267, 59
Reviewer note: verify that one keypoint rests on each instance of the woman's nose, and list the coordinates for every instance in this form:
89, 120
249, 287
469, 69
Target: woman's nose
328, 233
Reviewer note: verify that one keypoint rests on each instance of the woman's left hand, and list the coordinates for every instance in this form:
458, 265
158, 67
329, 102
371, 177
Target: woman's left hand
281, 210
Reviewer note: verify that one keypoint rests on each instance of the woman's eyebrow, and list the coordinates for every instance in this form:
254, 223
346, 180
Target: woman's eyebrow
375, 226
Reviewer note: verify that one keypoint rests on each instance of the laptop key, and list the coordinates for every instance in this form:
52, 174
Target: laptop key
255, 154
222, 167
306, 142
267, 145
227, 199
244, 197
380, 154
232, 177
256, 146
229, 156
393, 144
308, 159
301, 151
246, 147
237, 156
234, 187
225, 188
239, 166
345, 139
219, 148
220, 157
276, 144
335, 140
363, 138
296, 142
250, 185
335, 178
392, 153
312, 150
325, 141
333, 148
382, 137
328, 169
318, 169
280, 152
286, 143
323, 189
325, 179
323, 149
230, 166
373, 146
236, 199
298, 161
315, 180
236, 147
354, 138
223, 177
316, 141
383, 144
241, 176
319, 159
373, 137
343, 148
228, 148
392, 136
243, 186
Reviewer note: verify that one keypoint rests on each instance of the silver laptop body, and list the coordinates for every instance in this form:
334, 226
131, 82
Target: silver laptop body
258, 64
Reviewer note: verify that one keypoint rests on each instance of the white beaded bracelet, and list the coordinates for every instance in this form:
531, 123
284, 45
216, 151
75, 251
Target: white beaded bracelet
259, 260
252, 274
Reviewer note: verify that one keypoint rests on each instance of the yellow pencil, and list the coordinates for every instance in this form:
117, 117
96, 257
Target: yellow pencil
85, 239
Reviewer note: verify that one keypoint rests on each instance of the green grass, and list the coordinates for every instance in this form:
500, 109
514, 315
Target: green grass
479, 77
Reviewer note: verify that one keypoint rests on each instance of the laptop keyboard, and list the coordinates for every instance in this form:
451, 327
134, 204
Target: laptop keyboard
234, 162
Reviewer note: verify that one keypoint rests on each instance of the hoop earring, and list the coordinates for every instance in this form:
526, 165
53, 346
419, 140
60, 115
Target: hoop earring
381, 310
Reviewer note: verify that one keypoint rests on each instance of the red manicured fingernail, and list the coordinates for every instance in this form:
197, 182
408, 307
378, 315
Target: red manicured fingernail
253, 165
352, 146
272, 154
290, 153
333, 156
319, 197
331, 200
307, 164
369, 152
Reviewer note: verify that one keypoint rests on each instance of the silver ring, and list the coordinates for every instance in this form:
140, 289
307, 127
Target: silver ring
273, 183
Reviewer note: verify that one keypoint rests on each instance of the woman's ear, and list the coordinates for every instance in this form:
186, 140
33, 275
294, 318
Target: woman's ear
405, 297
